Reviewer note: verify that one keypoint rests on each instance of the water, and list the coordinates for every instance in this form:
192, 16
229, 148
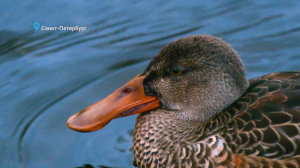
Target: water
46, 76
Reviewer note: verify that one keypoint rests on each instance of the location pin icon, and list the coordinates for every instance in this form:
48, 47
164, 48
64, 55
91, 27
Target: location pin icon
36, 26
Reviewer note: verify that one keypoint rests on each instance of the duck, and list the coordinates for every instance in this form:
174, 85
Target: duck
196, 108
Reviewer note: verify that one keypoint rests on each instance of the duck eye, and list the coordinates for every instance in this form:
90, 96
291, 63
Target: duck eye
176, 71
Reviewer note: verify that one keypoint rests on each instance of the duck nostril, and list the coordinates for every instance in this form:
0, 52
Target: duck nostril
126, 90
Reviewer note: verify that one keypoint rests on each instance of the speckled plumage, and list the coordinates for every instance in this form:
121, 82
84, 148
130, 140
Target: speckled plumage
211, 116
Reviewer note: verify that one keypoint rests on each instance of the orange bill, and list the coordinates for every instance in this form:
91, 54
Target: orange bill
128, 100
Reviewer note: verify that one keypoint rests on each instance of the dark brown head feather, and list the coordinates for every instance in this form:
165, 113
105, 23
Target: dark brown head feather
212, 73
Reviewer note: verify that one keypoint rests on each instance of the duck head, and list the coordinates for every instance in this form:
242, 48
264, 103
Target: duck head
194, 77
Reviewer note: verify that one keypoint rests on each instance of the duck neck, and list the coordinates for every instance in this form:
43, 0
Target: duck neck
160, 133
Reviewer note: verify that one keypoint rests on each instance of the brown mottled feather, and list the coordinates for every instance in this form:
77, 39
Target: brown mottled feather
268, 120
268, 124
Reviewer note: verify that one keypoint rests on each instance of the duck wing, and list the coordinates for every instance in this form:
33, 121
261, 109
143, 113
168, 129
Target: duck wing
266, 118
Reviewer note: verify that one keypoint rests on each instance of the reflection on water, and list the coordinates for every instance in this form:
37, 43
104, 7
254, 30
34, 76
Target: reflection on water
48, 75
